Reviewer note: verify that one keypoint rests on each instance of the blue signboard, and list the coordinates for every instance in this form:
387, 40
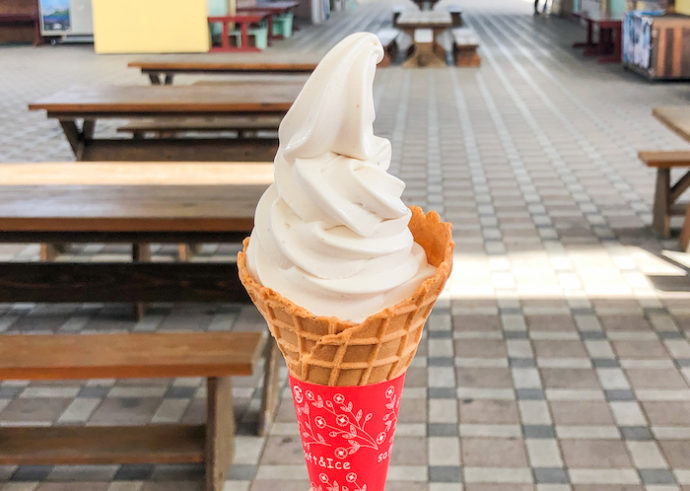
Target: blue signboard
637, 38
55, 16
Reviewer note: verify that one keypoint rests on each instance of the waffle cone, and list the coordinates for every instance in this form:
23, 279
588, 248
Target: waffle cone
329, 351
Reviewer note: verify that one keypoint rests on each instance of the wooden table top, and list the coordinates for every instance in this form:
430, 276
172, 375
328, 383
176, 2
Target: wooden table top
118, 100
676, 118
424, 18
131, 197
73, 356
247, 15
221, 63
270, 6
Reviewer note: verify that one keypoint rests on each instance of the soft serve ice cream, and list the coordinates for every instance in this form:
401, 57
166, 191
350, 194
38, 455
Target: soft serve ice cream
331, 234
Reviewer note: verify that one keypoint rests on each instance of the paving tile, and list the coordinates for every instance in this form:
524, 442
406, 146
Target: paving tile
128, 410
134, 472
34, 410
557, 378
487, 411
493, 452
559, 349
595, 454
480, 348
577, 412
484, 377
668, 413
31, 473
636, 433
639, 349
677, 452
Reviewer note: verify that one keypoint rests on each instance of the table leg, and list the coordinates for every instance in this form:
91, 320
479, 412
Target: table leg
169, 77
244, 30
141, 252
154, 78
662, 212
269, 396
589, 43
425, 55
225, 40
49, 252
78, 137
685, 233
615, 57
269, 21
220, 432
592, 48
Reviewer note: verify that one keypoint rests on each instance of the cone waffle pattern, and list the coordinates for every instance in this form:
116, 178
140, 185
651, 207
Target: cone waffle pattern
328, 351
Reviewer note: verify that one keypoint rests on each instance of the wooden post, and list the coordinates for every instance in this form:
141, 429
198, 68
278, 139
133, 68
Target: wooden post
49, 252
685, 233
220, 432
662, 205
269, 397
232, 10
141, 252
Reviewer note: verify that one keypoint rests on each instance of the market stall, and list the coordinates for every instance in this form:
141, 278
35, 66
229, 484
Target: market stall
657, 46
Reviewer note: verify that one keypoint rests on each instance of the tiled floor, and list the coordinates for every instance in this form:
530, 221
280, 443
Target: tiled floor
557, 359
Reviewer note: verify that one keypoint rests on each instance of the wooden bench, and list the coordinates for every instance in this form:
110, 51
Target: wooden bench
455, 14
465, 45
19, 21
131, 203
78, 110
397, 11
244, 126
216, 356
685, 232
666, 194
609, 45
163, 70
388, 38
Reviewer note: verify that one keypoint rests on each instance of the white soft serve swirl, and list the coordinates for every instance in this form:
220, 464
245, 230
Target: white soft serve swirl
331, 233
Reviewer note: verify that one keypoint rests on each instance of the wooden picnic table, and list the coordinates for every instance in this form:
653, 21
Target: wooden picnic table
96, 102
163, 69
435, 20
270, 8
243, 19
677, 119
134, 202
130, 202
610, 40
425, 4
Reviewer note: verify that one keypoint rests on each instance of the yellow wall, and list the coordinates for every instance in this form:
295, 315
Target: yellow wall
683, 7
150, 26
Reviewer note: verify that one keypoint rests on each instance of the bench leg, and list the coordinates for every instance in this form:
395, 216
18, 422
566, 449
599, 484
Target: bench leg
183, 252
49, 252
220, 432
269, 396
685, 233
141, 252
466, 57
662, 204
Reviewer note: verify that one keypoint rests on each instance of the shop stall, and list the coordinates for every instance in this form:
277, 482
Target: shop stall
657, 46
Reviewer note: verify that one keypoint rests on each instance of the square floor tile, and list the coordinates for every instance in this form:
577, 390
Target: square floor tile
493, 452
488, 411
581, 413
595, 454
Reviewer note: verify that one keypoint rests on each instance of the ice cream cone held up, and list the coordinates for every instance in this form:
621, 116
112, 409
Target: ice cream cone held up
344, 273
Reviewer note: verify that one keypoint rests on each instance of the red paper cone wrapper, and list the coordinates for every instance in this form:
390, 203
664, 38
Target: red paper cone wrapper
347, 432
